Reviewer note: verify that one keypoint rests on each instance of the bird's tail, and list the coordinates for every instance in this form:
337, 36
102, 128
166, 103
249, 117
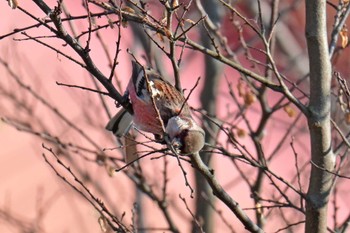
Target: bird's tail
120, 124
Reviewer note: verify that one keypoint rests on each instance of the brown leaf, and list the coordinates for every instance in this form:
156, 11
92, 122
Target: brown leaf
258, 208
103, 223
175, 3
241, 89
241, 133
344, 37
110, 170
347, 118
249, 98
289, 110
13, 3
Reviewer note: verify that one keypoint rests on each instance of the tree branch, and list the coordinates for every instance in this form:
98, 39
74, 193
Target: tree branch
220, 193
83, 53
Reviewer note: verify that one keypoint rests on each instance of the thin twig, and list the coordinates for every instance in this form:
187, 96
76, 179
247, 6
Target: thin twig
83, 88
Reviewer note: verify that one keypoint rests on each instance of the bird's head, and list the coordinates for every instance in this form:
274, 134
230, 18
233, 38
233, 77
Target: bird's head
185, 134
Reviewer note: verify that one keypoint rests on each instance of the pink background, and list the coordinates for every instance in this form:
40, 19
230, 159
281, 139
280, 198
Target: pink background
28, 186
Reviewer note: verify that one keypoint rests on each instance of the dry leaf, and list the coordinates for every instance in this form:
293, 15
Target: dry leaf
13, 3
111, 170
249, 98
258, 208
344, 37
240, 89
289, 110
241, 133
102, 223
175, 3
347, 118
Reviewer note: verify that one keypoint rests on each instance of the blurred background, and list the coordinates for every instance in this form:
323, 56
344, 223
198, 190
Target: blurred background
45, 114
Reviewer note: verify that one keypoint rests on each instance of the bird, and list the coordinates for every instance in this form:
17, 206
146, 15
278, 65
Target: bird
148, 91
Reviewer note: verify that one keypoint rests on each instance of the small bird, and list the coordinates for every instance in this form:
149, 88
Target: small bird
184, 133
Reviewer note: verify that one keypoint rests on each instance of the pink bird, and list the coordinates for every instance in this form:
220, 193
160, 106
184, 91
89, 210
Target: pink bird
184, 133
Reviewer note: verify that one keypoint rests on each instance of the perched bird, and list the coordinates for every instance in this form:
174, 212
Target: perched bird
184, 133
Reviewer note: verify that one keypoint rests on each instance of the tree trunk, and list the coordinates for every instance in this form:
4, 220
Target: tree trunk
322, 156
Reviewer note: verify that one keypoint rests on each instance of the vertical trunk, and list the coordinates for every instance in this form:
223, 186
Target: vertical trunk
322, 156
204, 211
213, 70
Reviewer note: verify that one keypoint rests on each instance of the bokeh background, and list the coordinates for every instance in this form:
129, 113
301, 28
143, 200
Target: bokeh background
35, 111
